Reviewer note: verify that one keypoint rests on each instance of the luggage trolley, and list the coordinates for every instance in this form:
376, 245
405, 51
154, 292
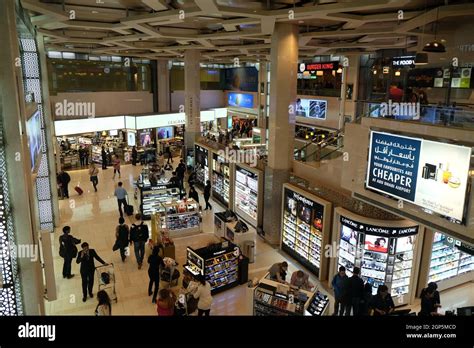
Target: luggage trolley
106, 280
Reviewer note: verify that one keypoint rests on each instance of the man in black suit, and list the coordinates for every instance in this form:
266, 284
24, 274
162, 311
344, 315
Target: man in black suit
86, 259
67, 250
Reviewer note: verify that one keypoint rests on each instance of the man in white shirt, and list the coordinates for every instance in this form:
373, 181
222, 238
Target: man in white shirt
121, 195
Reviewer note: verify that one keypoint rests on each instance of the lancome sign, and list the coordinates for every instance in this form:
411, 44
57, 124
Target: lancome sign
430, 174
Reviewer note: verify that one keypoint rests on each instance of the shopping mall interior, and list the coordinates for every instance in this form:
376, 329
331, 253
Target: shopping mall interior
267, 146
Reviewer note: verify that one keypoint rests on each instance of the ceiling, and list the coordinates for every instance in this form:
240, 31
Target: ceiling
225, 29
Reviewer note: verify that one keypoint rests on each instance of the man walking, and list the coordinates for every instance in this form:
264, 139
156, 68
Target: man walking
67, 250
139, 235
338, 284
86, 259
355, 292
121, 195
180, 171
207, 194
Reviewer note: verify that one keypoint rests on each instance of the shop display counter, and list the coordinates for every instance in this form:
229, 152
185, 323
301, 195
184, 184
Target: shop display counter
221, 264
239, 237
305, 228
220, 179
152, 197
386, 252
201, 165
248, 194
271, 298
180, 218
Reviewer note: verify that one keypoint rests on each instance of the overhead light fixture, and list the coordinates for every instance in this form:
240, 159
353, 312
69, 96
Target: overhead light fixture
319, 73
385, 70
397, 73
374, 71
421, 59
300, 22
339, 71
94, 12
435, 46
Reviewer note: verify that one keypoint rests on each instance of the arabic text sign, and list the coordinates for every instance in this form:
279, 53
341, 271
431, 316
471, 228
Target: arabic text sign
432, 175
393, 165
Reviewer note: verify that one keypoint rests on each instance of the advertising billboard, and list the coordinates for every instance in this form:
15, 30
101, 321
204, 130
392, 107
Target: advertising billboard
311, 108
430, 174
242, 100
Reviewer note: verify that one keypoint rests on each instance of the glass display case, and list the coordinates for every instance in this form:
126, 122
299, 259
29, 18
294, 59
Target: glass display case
220, 179
181, 217
218, 263
246, 193
384, 255
201, 165
152, 198
302, 229
447, 259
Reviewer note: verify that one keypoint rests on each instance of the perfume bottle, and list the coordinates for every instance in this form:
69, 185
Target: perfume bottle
439, 173
446, 174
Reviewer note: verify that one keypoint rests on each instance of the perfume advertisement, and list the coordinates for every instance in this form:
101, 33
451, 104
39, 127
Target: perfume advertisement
430, 174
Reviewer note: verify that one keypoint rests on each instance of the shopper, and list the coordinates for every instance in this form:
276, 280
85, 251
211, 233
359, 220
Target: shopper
174, 179
382, 303
67, 250
155, 264
432, 286
63, 182
192, 178
429, 305
139, 235
207, 194
278, 271
134, 156
86, 155
86, 258
104, 307
122, 235
104, 158
180, 171
121, 195
81, 156
116, 164
301, 280
366, 300
355, 292
166, 301
338, 284
93, 172
203, 294
193, 194
168, 154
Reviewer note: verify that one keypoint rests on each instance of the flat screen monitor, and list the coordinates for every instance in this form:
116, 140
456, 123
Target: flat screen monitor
165, 133
33, 131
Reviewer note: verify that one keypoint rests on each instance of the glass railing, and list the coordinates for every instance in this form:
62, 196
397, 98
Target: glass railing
320, 92
460, 116
328, 148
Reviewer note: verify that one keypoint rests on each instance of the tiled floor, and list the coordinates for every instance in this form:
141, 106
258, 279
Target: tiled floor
93, 217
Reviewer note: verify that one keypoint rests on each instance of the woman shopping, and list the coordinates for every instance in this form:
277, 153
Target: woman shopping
104, 307
203, 294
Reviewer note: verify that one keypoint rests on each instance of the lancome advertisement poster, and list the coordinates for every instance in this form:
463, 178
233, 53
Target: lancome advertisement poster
430, 174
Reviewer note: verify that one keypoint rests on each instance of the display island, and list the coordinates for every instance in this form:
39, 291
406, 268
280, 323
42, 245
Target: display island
180, 217
271, 298
222, 265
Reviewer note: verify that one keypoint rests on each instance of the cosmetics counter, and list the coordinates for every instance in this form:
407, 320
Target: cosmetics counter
221, 178
222, 264
448, 261
152, 197
248, 194
160, 236
180, 217
271, 298
305, 225
386, 252
201, 165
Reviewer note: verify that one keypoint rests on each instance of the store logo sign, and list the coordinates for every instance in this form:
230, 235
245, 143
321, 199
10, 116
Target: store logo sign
84, 109
302, 199
400, 109
249, 157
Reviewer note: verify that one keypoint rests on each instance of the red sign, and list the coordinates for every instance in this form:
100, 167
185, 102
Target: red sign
318, 66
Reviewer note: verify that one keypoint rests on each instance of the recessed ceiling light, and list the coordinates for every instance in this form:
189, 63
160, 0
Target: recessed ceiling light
300, 22
95, 12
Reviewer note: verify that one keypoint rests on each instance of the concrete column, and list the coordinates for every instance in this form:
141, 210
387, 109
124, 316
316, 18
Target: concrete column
281, 123
192, 91
163, 78
351, 75
20, 188
49, 129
